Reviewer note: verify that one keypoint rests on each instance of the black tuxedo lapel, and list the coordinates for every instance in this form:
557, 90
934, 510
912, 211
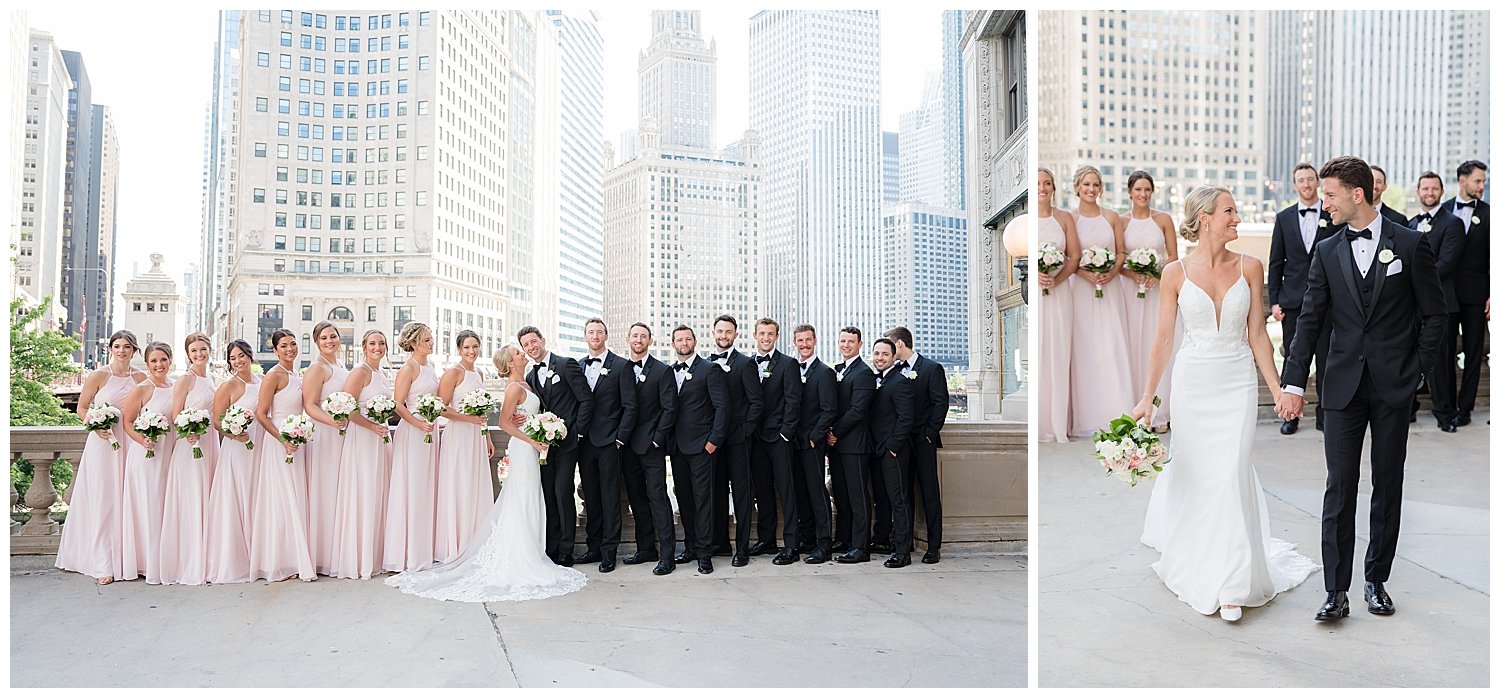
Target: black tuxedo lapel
1378, 268
535, 381
1346, 264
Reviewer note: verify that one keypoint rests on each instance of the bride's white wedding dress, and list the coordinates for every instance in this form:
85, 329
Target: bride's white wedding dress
506, 560
1208, 514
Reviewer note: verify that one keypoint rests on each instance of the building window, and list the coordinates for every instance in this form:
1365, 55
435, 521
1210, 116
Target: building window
280, 242
278, 290
370, 314
262, 104
150, 307
263, 289
260, 150
263, 59
164, 307
258, 195
136, 307
278, 265
306, 344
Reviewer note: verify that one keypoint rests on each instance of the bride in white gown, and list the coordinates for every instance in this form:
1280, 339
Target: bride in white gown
1207, 514
506, 559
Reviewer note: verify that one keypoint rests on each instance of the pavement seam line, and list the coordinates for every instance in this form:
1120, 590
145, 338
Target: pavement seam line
499, 637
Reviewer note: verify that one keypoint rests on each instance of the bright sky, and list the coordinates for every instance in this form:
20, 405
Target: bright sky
158, 91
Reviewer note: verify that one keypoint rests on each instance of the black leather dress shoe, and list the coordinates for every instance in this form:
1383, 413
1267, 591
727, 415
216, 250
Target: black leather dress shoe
663, 567
818, 556
1336, 607
589, 557
638, 557
685, 557
786, 557
1462, 420
882, 548
838, 547
1447, 426
739, 560
566, 560
932, 557
898, 560
705, 566
854, 555
607, 566
1380, 602
1289, 427
763, 547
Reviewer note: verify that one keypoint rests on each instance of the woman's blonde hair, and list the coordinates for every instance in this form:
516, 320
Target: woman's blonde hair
503, 357
1200, 200
410, 334
1082, 172
1049, 174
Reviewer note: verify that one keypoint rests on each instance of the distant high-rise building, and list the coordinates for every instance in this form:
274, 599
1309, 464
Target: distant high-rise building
77, 201
221, 149
890, 167
926, 278
581, 175
955, 191
815, 102
1467, 79
923, 165
97, 287
677, 80
15, 61
39, 249
532, 110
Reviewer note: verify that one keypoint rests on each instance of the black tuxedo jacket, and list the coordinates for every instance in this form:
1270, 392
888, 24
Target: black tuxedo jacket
614, 402
1383, 337
1472, 282
1392, 214
565, 394
1446, 235
820, 404
892, 412
702, 407
780, 398
745, 404
1286, 272
930, 390
655, 406
856, 390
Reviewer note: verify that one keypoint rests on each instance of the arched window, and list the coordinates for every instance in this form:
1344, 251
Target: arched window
341, 314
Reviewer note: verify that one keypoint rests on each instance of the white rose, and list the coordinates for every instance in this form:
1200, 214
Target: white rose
1386, 256
603, 371
1474, 220
1322, 222
725, 366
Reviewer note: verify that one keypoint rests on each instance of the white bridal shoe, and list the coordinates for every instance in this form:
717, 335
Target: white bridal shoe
1229, 613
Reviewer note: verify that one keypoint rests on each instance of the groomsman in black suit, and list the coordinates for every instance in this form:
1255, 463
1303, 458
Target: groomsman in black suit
1298, 227
1390, 214
732, 467
1445, 234
771, 448
849, 441
644, 462
1472, 283
702, 425
930, 393
559, 383
892, 416
820, 404
613, 387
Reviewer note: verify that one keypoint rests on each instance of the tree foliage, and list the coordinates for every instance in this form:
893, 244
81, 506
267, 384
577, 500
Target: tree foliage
38, 358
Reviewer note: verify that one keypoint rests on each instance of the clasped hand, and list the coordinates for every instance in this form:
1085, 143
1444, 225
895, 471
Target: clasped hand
1289, 405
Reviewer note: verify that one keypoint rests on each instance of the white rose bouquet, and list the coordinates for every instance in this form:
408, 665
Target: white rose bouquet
1130, 452
430, 407
1049, 260
379, 410
236, 422
152, 425
545, 428
102, 417
340, 405
1099, 260
1144, 260
296, 429
477, 403
193, 422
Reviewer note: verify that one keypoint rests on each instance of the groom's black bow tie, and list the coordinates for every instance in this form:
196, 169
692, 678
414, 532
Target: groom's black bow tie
1352, 235
762, 359
639, 364
679, 366
716, 357
803, 364
592, 360
1465, 204
1305, 211
1421, 217
538, 365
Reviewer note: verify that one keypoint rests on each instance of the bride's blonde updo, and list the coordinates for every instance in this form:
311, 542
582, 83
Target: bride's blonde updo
1200, 200
503, 358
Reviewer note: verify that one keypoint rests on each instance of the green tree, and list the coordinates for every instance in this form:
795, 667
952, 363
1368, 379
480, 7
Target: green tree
38, 358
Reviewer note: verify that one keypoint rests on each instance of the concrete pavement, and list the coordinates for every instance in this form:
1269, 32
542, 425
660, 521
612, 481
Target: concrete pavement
1106, 619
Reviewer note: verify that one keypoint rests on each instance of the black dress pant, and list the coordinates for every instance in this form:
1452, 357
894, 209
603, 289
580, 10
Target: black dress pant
1343, 445
923, 473
693, 477
732, 467
599, 470
1470, 321
893, 478
646, 486
854, 513
813, 521
557, 492
771, 469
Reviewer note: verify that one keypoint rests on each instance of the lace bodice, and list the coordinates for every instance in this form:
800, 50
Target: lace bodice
1205, 334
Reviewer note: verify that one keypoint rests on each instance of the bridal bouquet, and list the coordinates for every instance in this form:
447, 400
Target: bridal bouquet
1099, 260
193, 422
236, 422
430, 407
545, 428
296, 429
1049, 260
477, 403
152, 425
1129, 451
102, 417
340, 405
379, 410
1144, 260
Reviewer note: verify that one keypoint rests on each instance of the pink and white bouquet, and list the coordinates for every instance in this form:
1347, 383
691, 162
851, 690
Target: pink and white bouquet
379, 410
193, 422
545, 428
1144, 260
152, 425
296, 429
477, 403
1099, 260
102, 417
236, 422
502, 469
1129, 451
340, 405
430, 407
1049, 260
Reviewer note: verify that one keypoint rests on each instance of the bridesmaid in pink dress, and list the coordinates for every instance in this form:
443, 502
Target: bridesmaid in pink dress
359, 508
324, 377
278, 497
184, 521
145, 478
410, 509
229, 495
464, 494
1146, 228
91, 539
1054, 314
1101, 385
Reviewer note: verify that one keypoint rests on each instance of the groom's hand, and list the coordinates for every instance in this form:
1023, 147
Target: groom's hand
1290, 405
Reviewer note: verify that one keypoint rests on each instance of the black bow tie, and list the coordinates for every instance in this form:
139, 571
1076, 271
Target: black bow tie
639, 364
1305, 211
679, 366
902, 363
1465, 204
803, 364
1352, 235
1421, 217
592, 360
716, 357
762, 359
538, 365
839, 367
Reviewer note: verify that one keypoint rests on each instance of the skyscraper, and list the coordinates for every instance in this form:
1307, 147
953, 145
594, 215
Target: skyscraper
677, 79
1467, 80
221, 148
890, 167
955, 190
44, 177
926, 278
532, 111
581, 175
815, 102
923, 164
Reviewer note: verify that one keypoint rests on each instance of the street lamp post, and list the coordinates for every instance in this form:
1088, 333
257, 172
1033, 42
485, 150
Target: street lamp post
1017, 240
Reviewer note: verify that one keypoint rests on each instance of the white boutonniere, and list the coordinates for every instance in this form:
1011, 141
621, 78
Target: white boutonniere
543, 373
766, 373
1425, 227
804, 380
725, 366
839, 377
603, 371
909, 374
641, 378
1386, 256
1474, 220
687, 376
1322, 222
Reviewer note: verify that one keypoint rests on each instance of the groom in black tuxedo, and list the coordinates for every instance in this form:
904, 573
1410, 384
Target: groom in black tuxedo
559, 383
1471, 282
612, 384
1373, 284
1297, 230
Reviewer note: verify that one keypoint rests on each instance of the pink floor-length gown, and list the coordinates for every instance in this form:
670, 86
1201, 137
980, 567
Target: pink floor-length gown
359, 508
1054, 344
141, 500
1100, 382
229, 501
278, 500
410, 511
184, 521
91, 537
324, 451
1141, 315
464, 494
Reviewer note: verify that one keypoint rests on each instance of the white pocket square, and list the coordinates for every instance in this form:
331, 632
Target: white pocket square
1394, 268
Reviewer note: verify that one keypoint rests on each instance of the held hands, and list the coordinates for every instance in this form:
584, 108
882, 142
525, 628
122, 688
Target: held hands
1276, 312
1289, 405
489, 448
380, 430
539, 446
192, 440
289, 446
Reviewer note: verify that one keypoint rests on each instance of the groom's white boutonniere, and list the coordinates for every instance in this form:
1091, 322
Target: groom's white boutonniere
687, 376
725, 366
641, 378
1474, 220
910, 373
804, 380
1386, 256
1322, 222
603, 371
1425, 227
766, 373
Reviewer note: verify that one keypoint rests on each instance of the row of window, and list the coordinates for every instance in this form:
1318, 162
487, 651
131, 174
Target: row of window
151, 307
341, 245
342, 89
315, 199
349, 22
340, 111
346, 177
315, 222
315, 266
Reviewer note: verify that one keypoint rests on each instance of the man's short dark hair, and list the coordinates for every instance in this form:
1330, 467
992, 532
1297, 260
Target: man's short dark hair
1303, 166
1351, 172
593, 320
854, 331
1430, 175
1381, 170
768, 321
900, 334
643, 326
885, 340
529, 329
1469, 166
727, 318
680, 328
